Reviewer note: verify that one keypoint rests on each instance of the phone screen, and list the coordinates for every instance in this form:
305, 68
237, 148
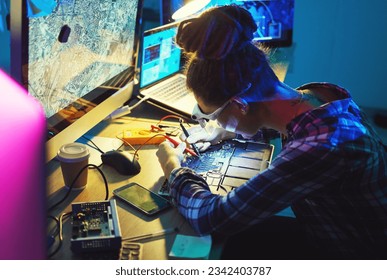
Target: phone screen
142, 198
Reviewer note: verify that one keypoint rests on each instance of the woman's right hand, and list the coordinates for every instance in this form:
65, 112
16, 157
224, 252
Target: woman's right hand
169, 156
203, 138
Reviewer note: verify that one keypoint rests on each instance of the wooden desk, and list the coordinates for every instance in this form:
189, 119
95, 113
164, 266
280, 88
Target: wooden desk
132, 222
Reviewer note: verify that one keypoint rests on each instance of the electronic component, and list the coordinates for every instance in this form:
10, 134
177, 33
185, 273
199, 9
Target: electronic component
227, 165
140, 136
95, 227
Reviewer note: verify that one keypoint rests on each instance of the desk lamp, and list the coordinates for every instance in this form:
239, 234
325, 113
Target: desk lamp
190, 9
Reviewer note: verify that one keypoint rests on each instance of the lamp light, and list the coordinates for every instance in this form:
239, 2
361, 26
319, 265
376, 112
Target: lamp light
190, 9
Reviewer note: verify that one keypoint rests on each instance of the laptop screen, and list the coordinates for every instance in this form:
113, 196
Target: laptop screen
161, 57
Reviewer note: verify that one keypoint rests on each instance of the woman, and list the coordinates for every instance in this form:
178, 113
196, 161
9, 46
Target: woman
331, 170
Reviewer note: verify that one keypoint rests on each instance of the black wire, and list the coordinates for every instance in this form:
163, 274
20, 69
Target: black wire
56, 228
75, 179
95, 145
60, 224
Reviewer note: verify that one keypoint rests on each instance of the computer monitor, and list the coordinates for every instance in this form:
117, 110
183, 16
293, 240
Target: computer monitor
77, 58
274, 19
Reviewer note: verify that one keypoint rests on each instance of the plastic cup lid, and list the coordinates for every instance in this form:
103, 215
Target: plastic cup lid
73, 152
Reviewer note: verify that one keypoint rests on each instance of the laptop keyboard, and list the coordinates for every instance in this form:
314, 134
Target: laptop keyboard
228, 165
171, 90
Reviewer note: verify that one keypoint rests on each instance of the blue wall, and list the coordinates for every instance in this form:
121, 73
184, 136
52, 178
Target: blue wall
344, 42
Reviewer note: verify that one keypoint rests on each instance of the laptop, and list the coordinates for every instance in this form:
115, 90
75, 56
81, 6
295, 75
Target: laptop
161, 79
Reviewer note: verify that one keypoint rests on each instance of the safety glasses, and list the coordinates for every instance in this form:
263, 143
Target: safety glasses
202, 118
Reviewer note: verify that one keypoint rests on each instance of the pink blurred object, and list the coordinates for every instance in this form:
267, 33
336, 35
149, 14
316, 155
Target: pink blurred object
22, 175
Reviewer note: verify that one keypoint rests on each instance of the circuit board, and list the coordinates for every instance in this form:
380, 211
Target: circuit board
95, 227
228, 165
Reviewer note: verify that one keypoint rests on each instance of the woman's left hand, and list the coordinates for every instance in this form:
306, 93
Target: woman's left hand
170, 157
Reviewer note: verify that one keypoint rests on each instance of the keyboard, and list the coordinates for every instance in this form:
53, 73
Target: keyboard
171, 90
228, 165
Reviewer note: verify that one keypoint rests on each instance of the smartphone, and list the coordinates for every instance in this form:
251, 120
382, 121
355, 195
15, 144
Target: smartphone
142, 199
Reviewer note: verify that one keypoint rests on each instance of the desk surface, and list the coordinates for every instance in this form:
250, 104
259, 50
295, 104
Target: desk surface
132, 222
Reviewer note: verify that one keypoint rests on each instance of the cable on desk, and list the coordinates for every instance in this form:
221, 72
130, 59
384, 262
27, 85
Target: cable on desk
60, 233
94, 146
143, 144
126, 142
170, 117
155, 128
59, 222
53, 232
125, 110
75, 179
138, 103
